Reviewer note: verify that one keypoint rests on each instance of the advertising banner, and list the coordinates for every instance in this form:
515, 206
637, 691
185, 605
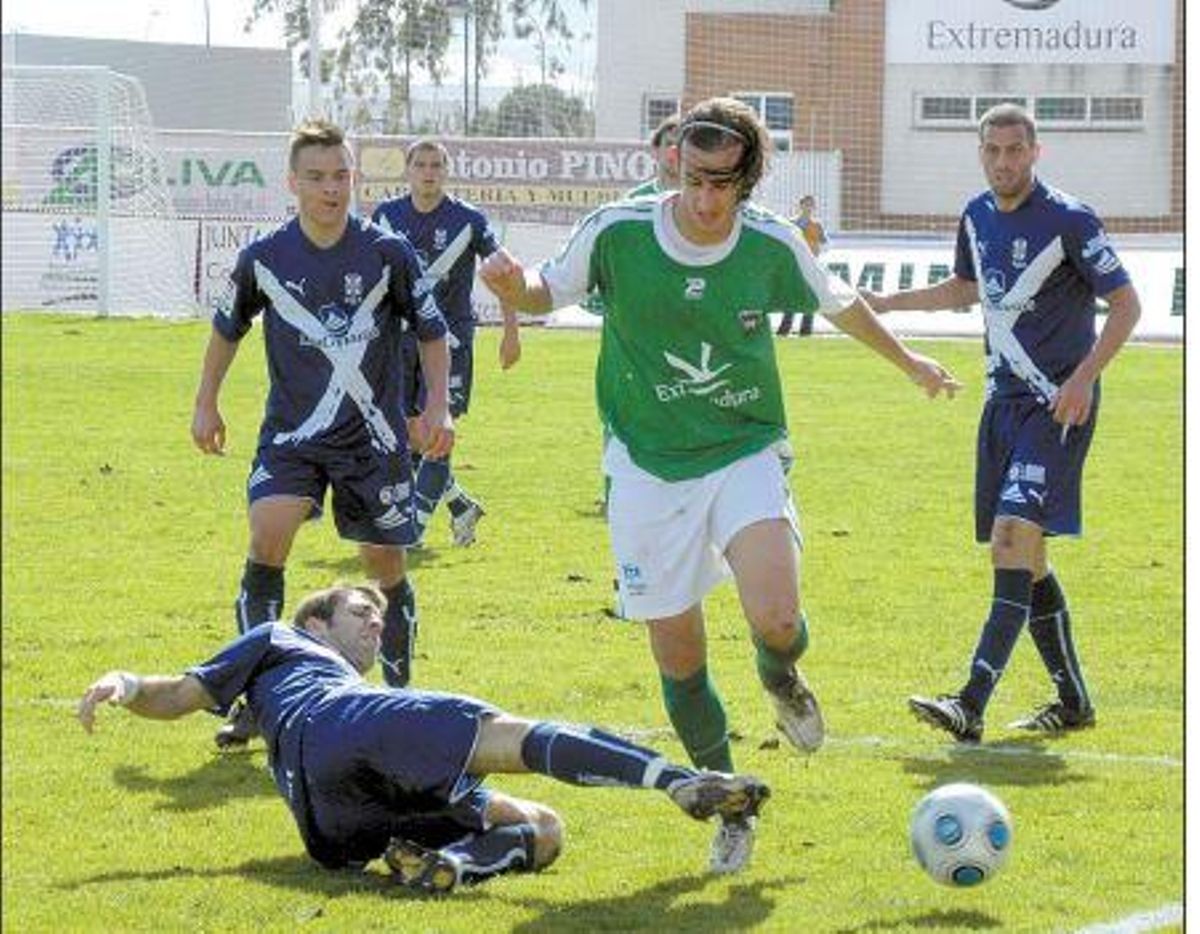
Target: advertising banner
1059, 32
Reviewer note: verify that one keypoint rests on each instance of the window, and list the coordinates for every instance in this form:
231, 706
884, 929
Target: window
655, 109
777, 111
1052, 111
1108, 110
955, 109
984, 104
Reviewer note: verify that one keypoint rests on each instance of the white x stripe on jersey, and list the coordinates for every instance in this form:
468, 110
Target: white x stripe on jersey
345, 357
1000, 317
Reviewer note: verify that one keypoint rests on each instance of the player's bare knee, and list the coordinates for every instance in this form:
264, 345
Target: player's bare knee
548, 836
777, 622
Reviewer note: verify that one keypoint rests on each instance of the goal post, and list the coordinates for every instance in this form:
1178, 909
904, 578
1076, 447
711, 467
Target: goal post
88, 218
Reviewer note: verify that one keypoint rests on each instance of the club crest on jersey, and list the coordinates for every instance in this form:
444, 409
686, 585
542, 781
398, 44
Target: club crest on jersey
749, 319
439, 239
352, 288
1020, 251
693, 288
336, 321
994, 284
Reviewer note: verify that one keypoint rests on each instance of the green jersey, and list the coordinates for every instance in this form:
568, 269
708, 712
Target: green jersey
686, 376
649, 187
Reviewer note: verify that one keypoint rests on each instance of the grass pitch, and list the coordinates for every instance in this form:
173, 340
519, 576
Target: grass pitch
123, 546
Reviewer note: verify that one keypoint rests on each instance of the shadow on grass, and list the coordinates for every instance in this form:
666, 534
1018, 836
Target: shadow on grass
956, 920
746, 906
349, 566
219, 780
1014, 762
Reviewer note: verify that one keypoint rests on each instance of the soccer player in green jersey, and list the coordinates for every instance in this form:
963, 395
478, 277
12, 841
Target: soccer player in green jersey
690, 396
666, 158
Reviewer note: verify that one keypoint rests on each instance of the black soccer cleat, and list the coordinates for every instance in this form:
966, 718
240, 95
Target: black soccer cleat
239, 729
421, 869
948, 712
1055, 718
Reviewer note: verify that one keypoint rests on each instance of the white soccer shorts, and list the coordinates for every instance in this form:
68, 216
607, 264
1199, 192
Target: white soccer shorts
669, 538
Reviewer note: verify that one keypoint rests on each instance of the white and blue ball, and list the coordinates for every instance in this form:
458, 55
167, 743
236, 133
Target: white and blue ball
961, 834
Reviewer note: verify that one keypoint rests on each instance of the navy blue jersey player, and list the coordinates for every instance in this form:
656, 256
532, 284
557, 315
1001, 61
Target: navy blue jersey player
448, 235
334, 293
371, 771
1035, 259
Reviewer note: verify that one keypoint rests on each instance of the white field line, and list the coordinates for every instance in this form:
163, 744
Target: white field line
1153, 920
853, 744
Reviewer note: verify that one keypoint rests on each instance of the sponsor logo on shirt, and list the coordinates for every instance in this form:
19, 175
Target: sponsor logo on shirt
702, 379
995, 284
337, 324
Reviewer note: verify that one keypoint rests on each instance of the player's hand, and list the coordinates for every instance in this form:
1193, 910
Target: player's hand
208, 429
432, 432
510, 347
505, 277
932, 377
1073, 404
112, 687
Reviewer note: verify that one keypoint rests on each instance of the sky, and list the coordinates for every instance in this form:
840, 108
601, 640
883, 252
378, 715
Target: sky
184, 21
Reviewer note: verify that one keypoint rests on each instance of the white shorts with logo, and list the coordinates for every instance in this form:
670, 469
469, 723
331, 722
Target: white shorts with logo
669, 538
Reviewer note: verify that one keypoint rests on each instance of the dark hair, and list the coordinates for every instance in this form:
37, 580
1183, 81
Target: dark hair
665, 133
426, 145
324, 603
1008, 114
712, 124
314, 133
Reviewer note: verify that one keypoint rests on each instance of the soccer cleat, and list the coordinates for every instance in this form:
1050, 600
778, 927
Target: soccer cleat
732, 846
239, 729
797, 713
1056, 717
709, 793
948, 712
422, 869
463, 526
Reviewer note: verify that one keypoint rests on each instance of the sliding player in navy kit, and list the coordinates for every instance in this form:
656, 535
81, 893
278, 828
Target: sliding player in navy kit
371, 771
1035, 258
334, 292
448, 235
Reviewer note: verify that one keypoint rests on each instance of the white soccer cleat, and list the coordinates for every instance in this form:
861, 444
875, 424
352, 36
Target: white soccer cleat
463, 527
797, 713
732, 846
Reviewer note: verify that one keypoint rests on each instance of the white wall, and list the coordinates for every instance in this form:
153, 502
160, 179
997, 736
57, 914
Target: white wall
1120, 173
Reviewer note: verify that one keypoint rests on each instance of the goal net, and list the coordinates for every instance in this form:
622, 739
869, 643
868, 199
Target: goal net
88, 220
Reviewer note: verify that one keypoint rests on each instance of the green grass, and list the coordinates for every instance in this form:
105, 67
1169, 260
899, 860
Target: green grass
123, 546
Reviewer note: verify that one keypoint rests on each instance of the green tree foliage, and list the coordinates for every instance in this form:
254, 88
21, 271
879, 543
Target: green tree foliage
392, 45
535, 110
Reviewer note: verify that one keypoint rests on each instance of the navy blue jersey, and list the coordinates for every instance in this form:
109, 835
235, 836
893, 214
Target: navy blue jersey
447, 240
332, 320
351, 759
1039, 269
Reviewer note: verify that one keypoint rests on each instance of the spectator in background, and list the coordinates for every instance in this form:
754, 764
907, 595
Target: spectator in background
814, 236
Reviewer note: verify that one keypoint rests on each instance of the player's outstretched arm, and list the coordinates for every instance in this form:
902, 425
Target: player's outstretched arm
208, 428
948, 294
155, 697
516, 287
860, 323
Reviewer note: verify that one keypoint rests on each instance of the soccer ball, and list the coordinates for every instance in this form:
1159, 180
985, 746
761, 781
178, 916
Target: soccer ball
961, 834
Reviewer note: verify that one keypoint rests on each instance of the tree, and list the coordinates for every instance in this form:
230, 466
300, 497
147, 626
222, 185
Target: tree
390, 43
536, 110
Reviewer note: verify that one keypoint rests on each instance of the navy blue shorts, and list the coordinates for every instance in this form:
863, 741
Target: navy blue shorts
372, 491
380, 763
462, 373
1024, 468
